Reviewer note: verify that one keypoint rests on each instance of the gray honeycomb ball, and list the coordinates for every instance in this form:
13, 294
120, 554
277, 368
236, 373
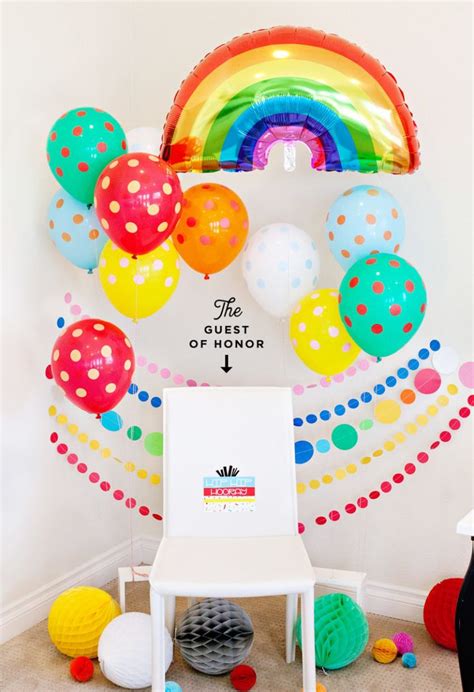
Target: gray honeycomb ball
214, 636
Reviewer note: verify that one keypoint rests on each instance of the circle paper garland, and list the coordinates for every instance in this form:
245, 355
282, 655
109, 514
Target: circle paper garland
94, 477
388, 446
378, 390
105, 452
397, 478
361, 365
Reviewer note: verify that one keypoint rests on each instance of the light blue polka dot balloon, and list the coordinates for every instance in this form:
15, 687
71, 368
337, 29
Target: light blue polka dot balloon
280, 265
76, 231
364, 220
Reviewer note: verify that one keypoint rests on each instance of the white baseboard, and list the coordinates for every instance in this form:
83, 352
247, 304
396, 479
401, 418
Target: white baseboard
28, 611
383, 599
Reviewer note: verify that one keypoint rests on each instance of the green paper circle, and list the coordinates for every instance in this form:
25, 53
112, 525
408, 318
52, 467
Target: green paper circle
154, 444
366, 424
341, 631
344, 436
134, 432
80, 145
383, 302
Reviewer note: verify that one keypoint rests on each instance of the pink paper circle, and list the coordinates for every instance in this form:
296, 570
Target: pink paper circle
298, 389
339, 377
350, 372
466, 374
152, 367
165, 373
76, 309
178, 379
67, 297
141, 360
324, 382
363, 364
427, 381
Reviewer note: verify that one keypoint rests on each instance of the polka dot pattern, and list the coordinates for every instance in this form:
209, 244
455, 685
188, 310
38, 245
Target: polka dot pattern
361, 222
88, 364
393, 297
212, 227
80, 145
75, 230
280, 266
139, 287
136, 200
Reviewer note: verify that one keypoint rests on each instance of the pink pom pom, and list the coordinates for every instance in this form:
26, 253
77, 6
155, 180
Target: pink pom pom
403, 642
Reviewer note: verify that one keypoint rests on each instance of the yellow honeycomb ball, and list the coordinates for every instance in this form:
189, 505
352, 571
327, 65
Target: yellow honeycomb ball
384, 651
77, 619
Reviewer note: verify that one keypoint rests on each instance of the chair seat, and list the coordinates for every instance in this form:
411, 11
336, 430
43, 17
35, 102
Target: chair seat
231, 567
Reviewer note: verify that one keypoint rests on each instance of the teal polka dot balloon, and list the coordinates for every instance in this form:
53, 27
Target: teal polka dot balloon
341, 631
382, 303
80, 144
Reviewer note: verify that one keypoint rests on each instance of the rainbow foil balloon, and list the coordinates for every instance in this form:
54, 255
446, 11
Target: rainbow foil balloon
290, 84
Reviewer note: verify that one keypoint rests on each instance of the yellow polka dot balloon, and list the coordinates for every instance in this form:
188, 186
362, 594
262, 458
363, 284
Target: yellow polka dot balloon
77, 619
139, 287
318, 335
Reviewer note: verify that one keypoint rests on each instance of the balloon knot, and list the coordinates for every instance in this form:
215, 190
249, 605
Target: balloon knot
98, 416
378, 359
134, 257
90, 271
134, 320
328, 378
206, 277
89, 206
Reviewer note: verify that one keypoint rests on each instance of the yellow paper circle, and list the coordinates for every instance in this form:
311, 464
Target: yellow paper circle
318, 335
77, 619
387, 411
139, 287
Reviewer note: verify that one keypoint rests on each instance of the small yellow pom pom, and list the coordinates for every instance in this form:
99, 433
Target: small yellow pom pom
384, 651
77, 619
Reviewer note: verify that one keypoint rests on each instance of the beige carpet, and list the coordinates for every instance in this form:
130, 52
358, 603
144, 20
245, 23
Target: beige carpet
31, 662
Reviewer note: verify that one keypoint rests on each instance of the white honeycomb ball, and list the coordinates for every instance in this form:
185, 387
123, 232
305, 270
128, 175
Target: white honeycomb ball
125, 652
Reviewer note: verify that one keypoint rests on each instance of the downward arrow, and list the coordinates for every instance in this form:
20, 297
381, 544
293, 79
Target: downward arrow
226, 367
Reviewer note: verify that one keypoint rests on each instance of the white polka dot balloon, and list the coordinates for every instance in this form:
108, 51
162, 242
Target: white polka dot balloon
280, 265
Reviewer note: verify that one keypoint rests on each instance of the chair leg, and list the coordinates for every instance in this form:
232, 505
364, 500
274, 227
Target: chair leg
307, 635
122, 592
170, 610
291, 617
157, 608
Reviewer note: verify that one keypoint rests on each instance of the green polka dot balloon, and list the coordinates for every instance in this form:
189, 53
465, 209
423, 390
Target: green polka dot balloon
382, 303
80, 144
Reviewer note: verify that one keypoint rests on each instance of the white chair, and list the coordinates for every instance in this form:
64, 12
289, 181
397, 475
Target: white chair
247, 545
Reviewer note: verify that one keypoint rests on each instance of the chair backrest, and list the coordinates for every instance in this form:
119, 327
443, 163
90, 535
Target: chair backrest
229, 467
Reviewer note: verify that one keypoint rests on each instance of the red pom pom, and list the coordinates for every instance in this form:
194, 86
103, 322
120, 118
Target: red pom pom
82, 668
439, 612
243, 678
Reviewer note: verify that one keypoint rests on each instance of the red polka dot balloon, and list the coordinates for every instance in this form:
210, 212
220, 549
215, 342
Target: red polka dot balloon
138, 202
93, 363
382, 303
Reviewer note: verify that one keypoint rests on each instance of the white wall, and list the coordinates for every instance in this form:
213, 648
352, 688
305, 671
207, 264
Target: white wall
129, 58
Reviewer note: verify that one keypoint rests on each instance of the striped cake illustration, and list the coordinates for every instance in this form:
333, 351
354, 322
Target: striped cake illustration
229, 492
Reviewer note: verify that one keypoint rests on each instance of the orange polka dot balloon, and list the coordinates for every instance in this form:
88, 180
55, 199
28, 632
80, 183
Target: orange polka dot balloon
138, 201
212, 228
93, 363
364, 220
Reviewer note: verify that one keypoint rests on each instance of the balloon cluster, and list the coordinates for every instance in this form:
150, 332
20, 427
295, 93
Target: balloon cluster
124, 212
380, 303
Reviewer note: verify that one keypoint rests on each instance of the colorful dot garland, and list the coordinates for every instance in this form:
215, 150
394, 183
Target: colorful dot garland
379, 389
105, 452
361, 365
94, 477
389, 445
410, 468
345, 436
